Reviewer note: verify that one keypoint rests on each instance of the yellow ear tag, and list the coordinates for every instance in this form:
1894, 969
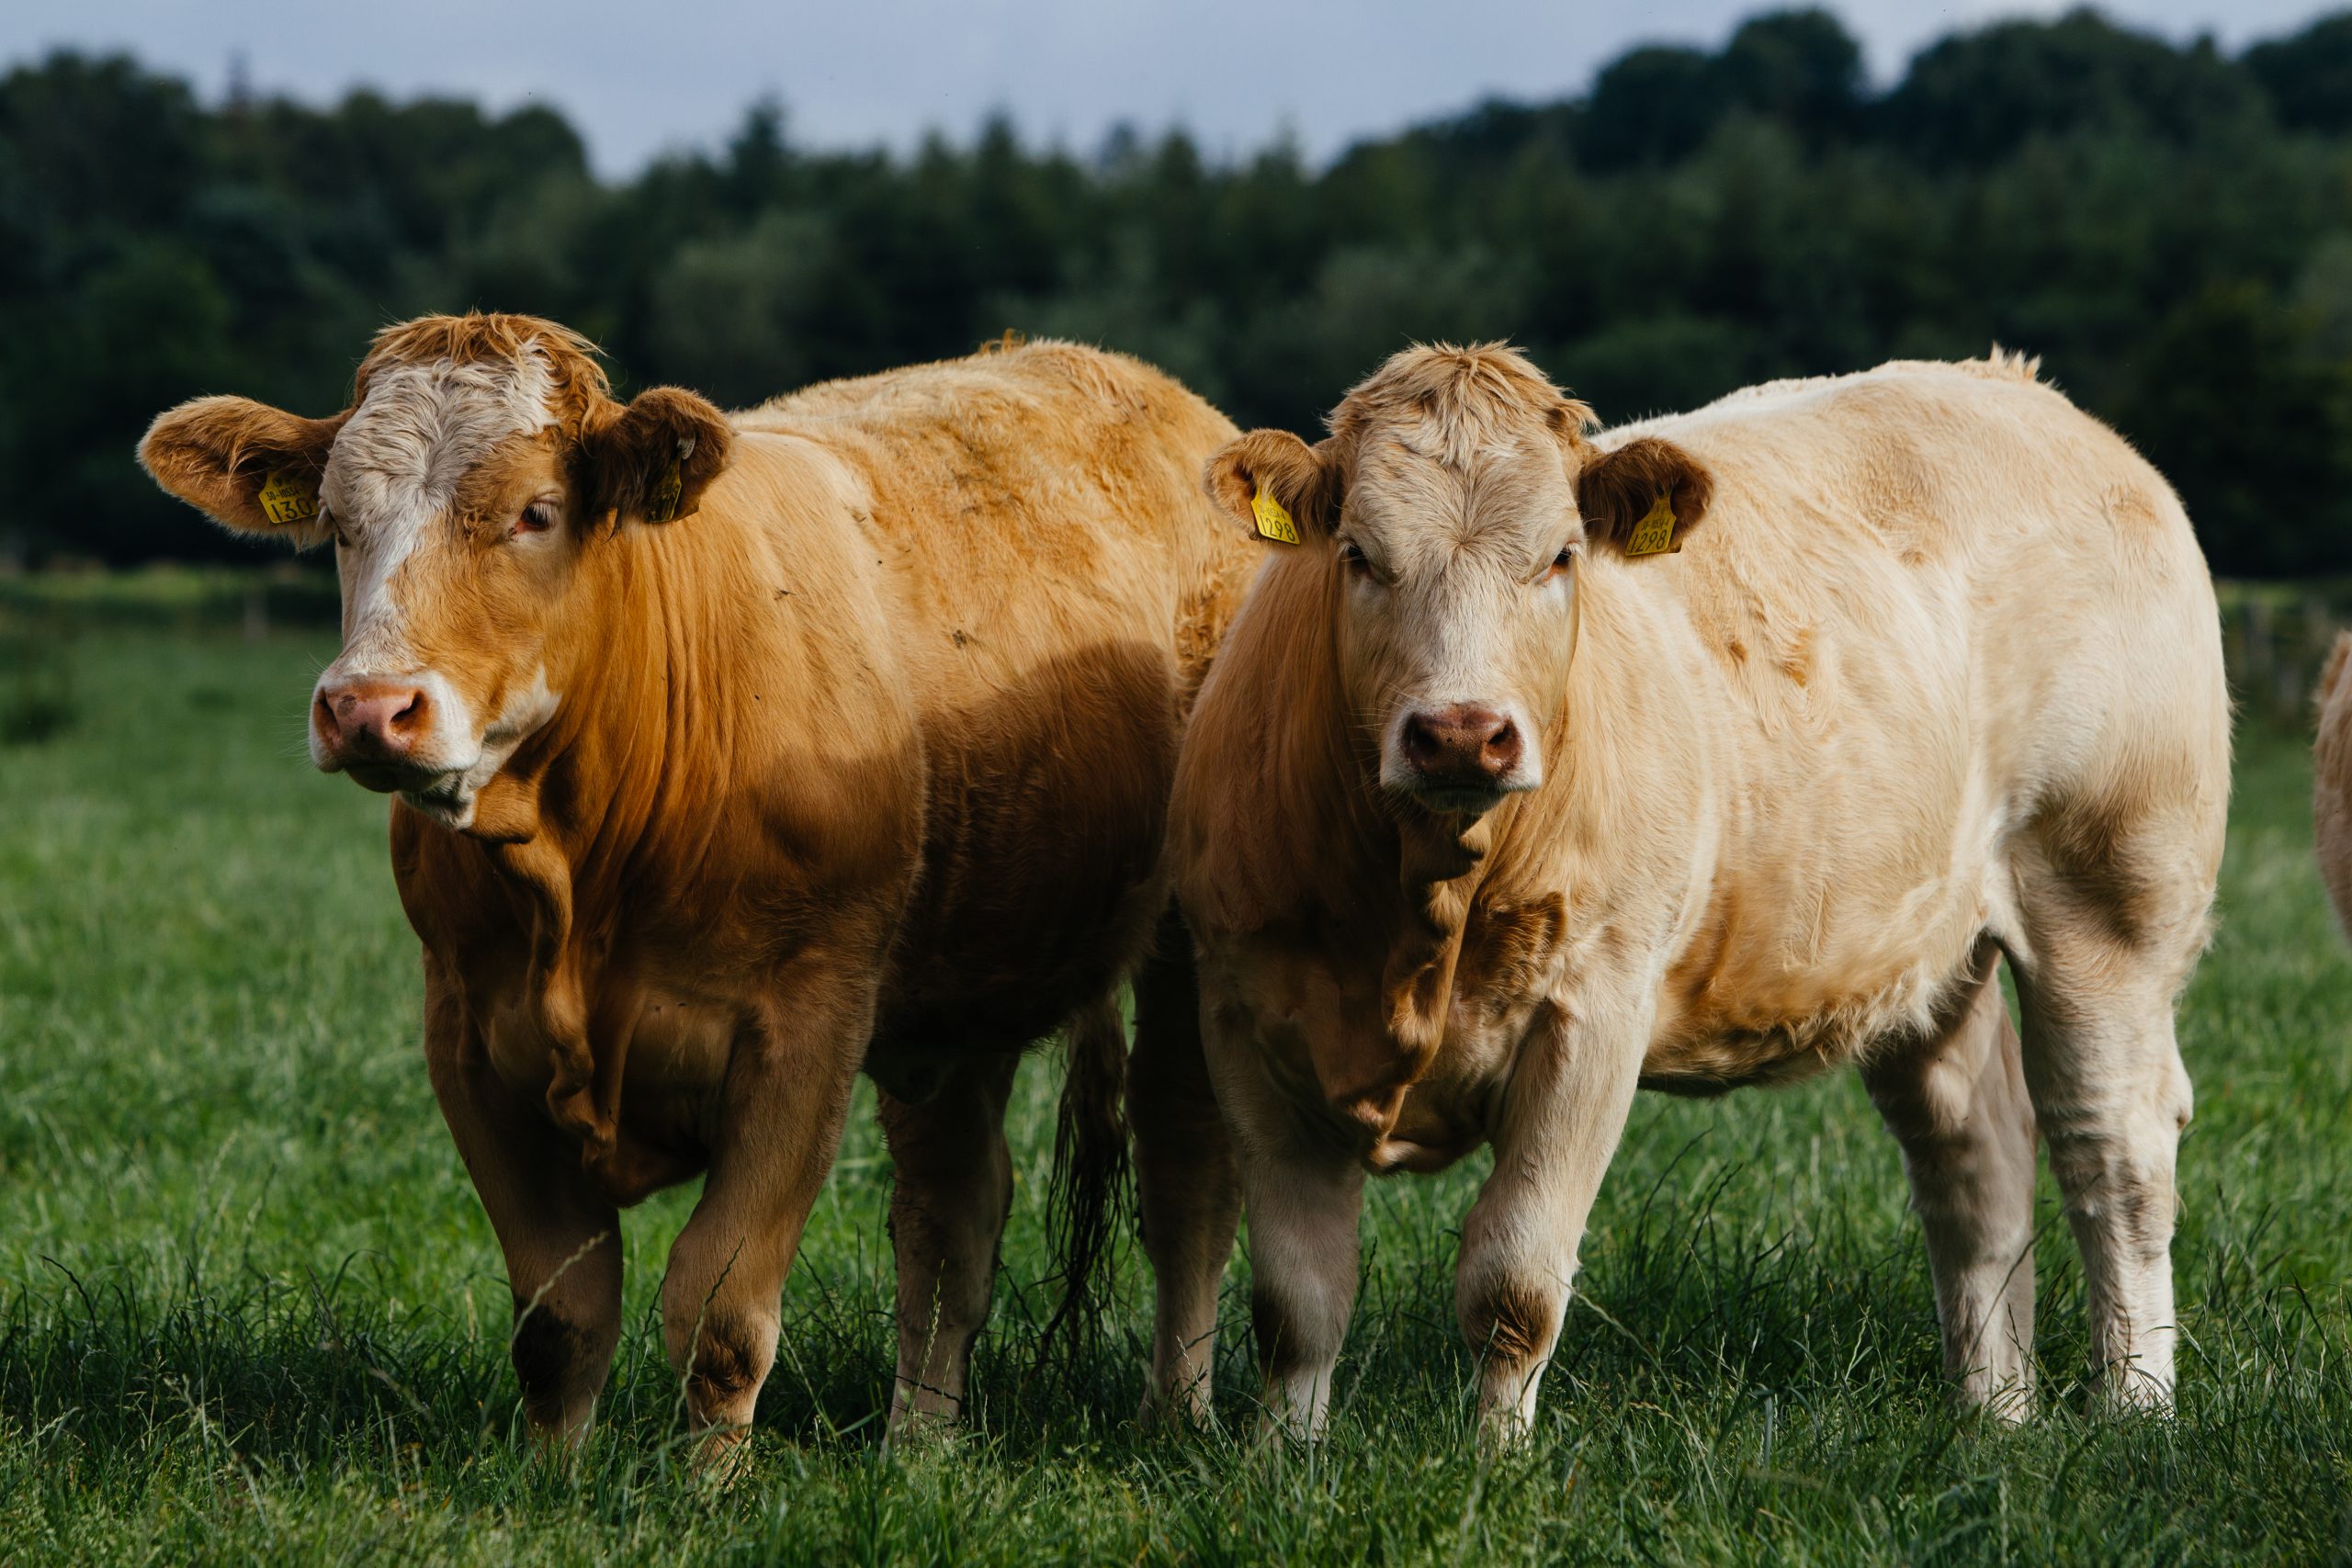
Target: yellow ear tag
285, 499
664, 504
1273, 523
1654, 535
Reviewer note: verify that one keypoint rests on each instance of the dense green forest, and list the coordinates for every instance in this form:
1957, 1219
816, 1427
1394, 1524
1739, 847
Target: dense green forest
2169, 227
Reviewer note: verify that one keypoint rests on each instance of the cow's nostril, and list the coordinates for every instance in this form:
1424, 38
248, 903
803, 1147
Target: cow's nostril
1501, 753
411, 714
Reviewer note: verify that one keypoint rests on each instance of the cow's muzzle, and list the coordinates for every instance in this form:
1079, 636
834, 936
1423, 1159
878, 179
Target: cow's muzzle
373, 730
1463, 757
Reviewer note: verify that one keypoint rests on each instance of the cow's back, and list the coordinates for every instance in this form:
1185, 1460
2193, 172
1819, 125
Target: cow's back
1058, 582
1970, 541
1938, 619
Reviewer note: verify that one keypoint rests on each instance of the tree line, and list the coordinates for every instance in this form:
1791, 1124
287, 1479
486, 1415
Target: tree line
2168, 226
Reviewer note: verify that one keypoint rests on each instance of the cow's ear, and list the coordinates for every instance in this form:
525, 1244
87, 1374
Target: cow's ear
252, 468
1275, 485
650, 461
1643, 498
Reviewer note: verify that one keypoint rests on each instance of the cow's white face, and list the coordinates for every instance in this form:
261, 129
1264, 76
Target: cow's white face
480, 468
1458, 614
1457, 500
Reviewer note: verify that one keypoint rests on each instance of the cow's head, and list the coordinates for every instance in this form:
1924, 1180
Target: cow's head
482, 463
1456, 499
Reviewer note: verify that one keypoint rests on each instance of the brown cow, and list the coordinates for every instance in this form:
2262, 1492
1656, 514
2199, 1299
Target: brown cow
1726, 748
734, 753
2332, 778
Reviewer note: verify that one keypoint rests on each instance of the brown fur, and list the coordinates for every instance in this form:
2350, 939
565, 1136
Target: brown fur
544, 1348
1514, 1324
579, 389
865, 762
1089, 1163
216, 453
1284, 465
1615, 491
636, 445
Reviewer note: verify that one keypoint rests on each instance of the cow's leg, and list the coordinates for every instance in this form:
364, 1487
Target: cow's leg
1561, 1116
1190, 1196
1957, 1103
560, 1235
1304, 1200
2112, 1098
778, 1123
951, 1189
2114, 917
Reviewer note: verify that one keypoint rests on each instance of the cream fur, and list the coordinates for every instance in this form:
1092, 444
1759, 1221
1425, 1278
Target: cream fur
1935, 678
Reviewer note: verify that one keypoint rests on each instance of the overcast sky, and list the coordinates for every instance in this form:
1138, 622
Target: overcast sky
646, 75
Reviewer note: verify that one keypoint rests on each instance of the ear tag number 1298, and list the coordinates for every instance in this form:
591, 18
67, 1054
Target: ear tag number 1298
1654, 535
1274, 521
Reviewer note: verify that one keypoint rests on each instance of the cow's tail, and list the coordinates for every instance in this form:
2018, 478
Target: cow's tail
1091, 1172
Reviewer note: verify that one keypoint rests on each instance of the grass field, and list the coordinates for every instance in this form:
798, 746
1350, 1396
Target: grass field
249, 1307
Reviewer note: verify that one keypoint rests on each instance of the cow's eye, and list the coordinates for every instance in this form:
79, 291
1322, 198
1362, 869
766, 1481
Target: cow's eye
536, 518
1560, 563
1352, 558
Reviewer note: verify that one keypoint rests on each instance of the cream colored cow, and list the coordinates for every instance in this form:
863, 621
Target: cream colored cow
1721, 750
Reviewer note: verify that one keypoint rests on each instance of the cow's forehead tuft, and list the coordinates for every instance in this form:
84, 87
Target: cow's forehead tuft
420, 429
1458, 402
477, 337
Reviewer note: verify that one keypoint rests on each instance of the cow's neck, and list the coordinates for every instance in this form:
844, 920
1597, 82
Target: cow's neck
1364, 872
605, 780
644, 691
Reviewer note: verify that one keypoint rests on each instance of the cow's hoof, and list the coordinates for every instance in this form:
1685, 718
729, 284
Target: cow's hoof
722, 1458
918, 1434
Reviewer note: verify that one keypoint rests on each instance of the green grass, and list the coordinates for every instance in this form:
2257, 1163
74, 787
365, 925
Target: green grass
249, 1307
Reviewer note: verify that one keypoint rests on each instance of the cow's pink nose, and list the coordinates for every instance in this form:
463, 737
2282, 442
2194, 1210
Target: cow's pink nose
371, 720
1461, 745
